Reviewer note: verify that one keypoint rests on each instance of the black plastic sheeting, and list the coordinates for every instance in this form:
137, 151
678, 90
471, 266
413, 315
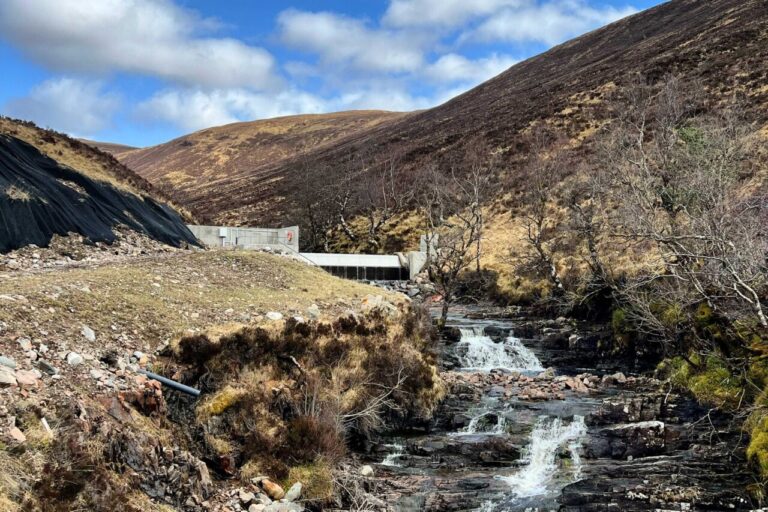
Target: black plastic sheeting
40, 198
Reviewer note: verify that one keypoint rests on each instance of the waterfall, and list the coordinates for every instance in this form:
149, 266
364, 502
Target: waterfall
393, 458
483, 354
474, 425
548, 436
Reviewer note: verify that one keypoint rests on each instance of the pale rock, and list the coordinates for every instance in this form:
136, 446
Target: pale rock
26, 378
74, 359
313, 312
7, 378
7, 362
17, 435
88, 333
246, 497
43, 348
25, 344
294, 492
366, 471
257, 507
274, 316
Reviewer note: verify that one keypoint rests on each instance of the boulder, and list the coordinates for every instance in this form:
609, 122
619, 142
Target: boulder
273, 490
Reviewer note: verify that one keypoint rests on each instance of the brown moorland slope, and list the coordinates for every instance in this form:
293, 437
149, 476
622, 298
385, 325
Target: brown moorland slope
192, 168
112, 148
723, 44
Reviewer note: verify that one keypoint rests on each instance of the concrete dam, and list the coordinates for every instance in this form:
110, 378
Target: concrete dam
363, 267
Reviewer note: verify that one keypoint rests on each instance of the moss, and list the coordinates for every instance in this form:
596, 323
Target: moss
316, 480
220, 402
757, 451
672, 315
711, 383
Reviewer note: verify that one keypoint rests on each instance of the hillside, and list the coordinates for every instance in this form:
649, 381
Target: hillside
53, 185
722, 43
194, 168
109, 147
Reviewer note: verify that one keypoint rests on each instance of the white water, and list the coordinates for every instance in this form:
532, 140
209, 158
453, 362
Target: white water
473, 428
548, 436
393, 458
484, 355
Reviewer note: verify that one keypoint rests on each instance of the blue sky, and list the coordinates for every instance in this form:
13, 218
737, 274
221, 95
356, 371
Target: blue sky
142, 72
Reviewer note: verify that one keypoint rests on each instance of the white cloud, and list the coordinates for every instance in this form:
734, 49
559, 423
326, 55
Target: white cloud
453, 67
442, 13
74, 106
194, 109
340, 40
549, 23
150, 37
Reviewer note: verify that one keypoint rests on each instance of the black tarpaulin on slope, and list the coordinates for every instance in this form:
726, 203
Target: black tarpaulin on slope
40, 198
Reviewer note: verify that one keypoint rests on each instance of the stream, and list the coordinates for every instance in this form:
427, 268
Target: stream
534, 422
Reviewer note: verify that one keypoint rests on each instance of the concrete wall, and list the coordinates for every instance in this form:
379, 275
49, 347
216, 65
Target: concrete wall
248, 238
353, 260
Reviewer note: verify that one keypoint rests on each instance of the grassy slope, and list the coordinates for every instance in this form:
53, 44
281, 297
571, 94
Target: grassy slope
151, 300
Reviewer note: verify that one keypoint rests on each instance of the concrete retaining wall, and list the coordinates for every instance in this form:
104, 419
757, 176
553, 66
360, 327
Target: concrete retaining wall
248, 238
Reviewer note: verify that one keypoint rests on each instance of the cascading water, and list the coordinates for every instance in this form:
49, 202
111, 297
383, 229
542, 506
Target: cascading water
482, 354
548, 436
479, 425
393, 458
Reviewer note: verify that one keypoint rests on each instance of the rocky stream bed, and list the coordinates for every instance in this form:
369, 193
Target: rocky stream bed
534, 422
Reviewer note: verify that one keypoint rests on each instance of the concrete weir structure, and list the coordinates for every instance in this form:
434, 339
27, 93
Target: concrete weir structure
368, 267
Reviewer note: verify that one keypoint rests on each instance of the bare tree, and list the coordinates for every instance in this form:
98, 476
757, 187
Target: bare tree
453, 219
678, 181
542, 171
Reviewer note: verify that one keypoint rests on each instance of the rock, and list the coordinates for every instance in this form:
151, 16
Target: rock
47, 368
74, 359
25, 344
274, 316
366, 471
8, 362
88, 333
96, 374
284, 507
257, 507
7, 378
17, 435
313, 312
273, 490
294, 492
246, 497
26, 378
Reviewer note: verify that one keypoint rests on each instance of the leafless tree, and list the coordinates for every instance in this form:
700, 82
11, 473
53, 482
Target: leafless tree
678, 180
453, 218
543, 169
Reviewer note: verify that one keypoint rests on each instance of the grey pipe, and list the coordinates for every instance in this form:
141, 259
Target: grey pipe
171, 383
